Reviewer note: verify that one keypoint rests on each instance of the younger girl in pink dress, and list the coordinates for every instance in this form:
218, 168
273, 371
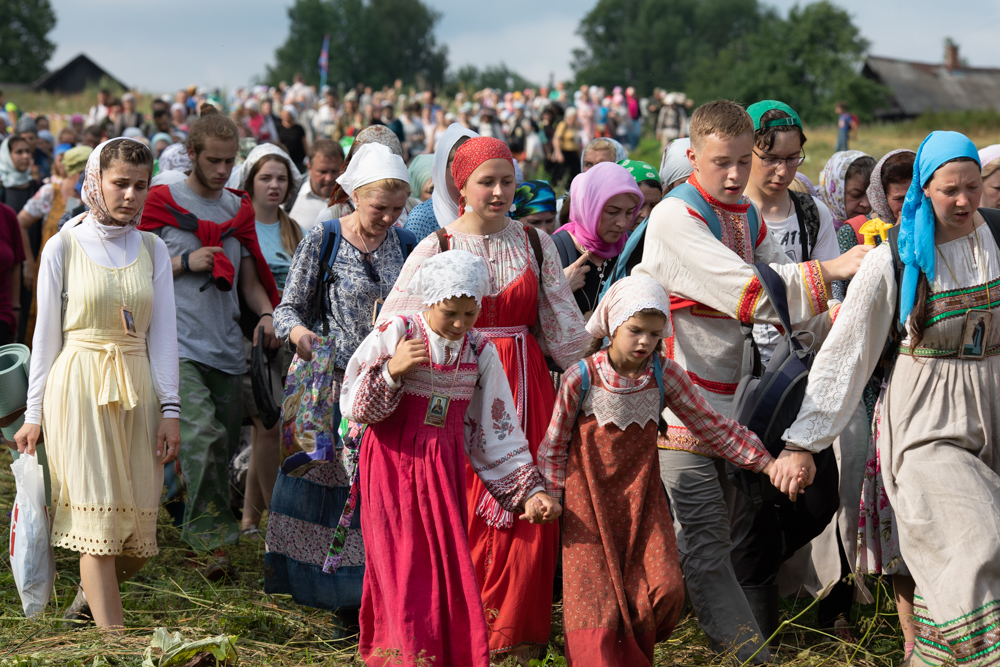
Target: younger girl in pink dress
433, 393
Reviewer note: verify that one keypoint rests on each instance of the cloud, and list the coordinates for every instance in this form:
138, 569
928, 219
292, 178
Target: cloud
161, 46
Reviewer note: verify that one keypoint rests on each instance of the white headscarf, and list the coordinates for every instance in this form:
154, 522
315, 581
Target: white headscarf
445, 208
450, 274
373, 162
675, 164
626, 298
242, 173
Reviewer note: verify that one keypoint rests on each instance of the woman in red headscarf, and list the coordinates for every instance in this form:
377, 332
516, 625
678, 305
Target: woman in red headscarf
529, 314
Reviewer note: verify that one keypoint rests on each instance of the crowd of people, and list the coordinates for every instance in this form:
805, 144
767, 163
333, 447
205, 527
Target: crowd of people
470, 394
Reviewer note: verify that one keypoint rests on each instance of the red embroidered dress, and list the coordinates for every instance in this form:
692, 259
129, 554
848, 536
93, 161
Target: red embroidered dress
526, 317
712, 287
622, 584
421, 598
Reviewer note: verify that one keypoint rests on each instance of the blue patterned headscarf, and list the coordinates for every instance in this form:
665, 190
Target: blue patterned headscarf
533, 197
916, 226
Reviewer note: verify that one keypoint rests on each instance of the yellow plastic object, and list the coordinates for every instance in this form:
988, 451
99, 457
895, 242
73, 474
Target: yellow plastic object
874, 228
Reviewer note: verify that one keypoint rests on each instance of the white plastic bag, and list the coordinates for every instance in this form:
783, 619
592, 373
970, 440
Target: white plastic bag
31, 555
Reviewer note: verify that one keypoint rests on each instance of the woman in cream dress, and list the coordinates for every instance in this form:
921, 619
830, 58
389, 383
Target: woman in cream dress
104, 377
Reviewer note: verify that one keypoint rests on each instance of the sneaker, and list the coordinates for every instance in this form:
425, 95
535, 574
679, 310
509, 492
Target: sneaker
79, 611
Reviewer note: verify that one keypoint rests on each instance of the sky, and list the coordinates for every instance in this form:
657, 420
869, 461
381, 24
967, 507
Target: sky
160, 46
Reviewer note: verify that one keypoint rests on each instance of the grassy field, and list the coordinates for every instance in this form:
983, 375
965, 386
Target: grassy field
272, 630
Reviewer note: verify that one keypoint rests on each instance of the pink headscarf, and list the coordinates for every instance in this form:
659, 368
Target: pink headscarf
587, 197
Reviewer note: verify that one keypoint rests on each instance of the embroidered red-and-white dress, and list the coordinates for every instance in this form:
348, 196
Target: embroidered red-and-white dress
622, 584
421, 597
713, 288
529, 314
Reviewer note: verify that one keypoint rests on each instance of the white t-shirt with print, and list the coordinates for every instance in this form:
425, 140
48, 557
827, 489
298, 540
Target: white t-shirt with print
786, 232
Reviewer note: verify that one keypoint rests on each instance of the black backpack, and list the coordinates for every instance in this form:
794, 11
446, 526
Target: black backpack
767, 400
807, 213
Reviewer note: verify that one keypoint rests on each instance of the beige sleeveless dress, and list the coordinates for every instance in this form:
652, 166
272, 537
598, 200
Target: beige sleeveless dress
100, 411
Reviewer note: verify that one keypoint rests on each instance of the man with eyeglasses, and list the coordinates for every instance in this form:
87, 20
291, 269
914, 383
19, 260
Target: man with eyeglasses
801, 224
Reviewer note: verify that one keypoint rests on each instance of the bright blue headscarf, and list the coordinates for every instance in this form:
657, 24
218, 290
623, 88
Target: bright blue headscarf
916, 226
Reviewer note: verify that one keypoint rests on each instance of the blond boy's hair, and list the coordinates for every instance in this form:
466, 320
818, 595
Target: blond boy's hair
724, 119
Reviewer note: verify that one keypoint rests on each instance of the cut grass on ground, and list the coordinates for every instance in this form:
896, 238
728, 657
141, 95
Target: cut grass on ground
273, 630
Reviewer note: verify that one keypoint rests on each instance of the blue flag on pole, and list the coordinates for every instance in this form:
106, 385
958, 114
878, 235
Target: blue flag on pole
324, 61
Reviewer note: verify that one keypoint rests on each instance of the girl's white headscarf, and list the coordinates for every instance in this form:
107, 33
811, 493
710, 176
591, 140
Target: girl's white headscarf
254, 157
446, 208
373, 162
626, 298
451, 274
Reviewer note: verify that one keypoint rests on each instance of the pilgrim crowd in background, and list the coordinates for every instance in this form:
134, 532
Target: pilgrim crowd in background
470, 357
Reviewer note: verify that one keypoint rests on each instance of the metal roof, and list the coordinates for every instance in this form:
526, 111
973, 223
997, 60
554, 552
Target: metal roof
919, 87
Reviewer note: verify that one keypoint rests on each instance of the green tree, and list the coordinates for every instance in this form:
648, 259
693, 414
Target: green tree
373, 41
809, 61
471, 78
655, 43
24, 45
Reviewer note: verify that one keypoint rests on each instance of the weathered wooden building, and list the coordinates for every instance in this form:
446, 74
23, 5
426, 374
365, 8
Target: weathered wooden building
915, 88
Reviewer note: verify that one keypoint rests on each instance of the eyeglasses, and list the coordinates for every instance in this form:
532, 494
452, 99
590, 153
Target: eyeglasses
789, 162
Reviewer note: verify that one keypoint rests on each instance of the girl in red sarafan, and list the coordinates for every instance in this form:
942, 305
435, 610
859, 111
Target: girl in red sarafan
622, 584
528, 314
433, 392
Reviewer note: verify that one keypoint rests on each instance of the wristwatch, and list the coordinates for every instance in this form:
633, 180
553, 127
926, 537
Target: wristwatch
184, 262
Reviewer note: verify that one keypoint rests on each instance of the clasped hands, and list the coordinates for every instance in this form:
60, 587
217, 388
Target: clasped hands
541, 508
791, 472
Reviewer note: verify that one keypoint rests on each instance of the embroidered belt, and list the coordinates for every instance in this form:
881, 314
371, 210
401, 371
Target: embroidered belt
488, 508
116, 380
934, 353
520, 335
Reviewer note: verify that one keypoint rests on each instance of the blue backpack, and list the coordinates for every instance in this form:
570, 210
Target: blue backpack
690, 196
585, 382
328, 250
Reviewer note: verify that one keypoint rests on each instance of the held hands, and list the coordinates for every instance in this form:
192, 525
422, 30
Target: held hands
304, 340
846, 266
26, 438
168, 439
576, 273
409, 354
203, 259
791, 472
541, 508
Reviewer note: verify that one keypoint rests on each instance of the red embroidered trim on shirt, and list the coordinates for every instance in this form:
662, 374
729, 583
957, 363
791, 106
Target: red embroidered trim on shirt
725, 388
742, 207
701, 310
812, 276
761, 233
747, 304
834, 312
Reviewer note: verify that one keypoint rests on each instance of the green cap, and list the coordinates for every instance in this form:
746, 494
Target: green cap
641, 171
760, 108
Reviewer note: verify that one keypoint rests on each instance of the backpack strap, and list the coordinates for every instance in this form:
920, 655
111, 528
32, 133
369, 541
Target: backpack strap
808, 216
689, 194
565, 248
407, 240
658, 374
536, 246
584, 387
992, 217
328, 249
626, 262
